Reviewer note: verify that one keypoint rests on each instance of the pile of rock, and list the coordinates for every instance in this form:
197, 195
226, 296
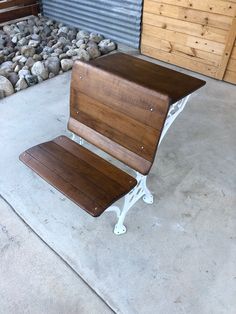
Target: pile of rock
38, 48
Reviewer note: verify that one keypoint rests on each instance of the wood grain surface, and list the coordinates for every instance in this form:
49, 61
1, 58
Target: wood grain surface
119, 103
84, 177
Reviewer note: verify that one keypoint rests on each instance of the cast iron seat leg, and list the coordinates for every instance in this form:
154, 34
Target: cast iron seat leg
131, 198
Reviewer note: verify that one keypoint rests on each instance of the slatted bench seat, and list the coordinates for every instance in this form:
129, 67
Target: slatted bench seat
124, 106
87, 179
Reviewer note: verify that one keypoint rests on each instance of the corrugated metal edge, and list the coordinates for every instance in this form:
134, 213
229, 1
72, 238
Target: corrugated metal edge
116, 19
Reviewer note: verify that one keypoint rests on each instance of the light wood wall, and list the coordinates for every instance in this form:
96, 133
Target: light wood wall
195, 34
230, 74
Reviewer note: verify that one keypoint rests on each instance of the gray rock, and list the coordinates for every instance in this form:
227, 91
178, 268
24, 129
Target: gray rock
82, 54
38, 49
23, 73
5, 51
53, 65
106, 46
36, 37
40, 79
71, 34
48, 49
4, 73
36, 30
66, 48
93, 52
11, 30
22, 60
47, 31
58, 51
27, 51
63, 56
23, 41
2, 58
45, 56
39, 70
71, 52
10, 56
91, 43
37, 57
96, 37
66, 64
21, 84
57, 45
21, 25
7, 66
6, 86
30, 62
17, 58
17, 68
82, 35
51, 75
63, 30
34, 43
83, 46
13, 78
79, 43
2, 40
49, 22
31, 79
63, 41
16, 38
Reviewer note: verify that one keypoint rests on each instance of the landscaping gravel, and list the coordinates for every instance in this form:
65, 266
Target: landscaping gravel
38, 48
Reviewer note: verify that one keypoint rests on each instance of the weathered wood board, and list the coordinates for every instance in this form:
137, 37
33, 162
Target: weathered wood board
195, 34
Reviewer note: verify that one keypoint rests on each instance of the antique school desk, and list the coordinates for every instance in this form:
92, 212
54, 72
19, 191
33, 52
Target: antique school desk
124, 106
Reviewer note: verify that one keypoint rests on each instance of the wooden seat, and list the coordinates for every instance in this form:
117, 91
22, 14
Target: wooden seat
124, 106
87, 179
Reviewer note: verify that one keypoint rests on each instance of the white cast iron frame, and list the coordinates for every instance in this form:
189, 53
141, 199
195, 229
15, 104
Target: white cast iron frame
141, 190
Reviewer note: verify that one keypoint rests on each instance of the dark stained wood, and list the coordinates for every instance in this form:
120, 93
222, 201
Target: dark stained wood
12, 3
126, 156
87, 179
119, 103
11, 10
168, 82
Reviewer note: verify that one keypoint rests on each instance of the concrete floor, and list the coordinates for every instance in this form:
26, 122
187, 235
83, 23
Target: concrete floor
34, 279
178, 255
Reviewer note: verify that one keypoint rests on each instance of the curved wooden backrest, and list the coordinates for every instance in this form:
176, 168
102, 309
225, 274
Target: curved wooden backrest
119, 103
119, 116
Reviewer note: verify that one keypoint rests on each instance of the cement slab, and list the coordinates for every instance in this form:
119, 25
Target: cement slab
34, 279
179, 254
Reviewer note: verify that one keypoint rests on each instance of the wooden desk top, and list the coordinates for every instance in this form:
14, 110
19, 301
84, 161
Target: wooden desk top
168, 82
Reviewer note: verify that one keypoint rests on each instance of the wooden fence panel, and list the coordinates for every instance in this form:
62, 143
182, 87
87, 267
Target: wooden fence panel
195, 34
230, 74
14, 9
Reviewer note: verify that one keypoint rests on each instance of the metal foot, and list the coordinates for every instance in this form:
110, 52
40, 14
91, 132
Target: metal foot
140, 191
119, 229
148, 198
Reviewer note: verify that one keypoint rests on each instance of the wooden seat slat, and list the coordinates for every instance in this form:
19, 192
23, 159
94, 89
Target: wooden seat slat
92, 160
96, 188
